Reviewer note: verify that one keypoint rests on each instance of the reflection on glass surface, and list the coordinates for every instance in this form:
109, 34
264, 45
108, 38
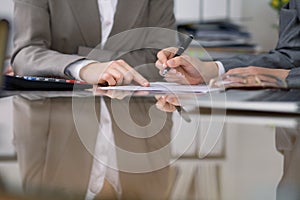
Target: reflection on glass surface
288, 143
62, 155
54, 160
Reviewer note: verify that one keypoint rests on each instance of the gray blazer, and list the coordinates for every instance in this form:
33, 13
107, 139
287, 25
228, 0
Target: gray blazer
48, 33
287, 52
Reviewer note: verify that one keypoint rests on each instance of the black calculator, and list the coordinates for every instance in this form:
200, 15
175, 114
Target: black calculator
42, 83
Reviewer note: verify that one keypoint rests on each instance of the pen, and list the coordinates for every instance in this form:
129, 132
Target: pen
180, 51
183, 113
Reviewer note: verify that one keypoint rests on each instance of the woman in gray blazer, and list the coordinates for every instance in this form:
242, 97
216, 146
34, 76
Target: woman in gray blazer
49, 34
50, 37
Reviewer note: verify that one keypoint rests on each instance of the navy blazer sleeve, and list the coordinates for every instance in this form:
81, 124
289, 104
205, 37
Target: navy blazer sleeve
286, 55
293, 79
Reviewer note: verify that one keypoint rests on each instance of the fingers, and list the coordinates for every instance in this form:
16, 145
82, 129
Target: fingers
121, 67
167, 103
179, 61
163, 105
163, 56
120, 73
107, 78
159, 65
132, 74
176, 77
175, 73
254, 70
172, 99
179, 64
117, 75
236, 71
111, 73
137, 77
248, 70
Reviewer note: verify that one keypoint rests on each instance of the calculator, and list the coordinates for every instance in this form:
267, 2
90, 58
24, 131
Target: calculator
42, 83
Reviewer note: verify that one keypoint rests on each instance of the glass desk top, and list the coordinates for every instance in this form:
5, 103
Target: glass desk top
222, 145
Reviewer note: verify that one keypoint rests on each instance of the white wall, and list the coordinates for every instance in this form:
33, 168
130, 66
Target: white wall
187, 10
6, 11
261, 18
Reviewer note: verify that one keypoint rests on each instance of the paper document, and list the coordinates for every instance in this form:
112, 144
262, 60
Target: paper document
164, 87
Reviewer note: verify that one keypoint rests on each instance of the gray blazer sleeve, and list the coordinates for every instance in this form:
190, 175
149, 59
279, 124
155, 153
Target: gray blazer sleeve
33, 54
286, 55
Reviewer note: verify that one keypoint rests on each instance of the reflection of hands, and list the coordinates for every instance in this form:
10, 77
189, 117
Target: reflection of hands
111, 73
117, 94
252, 70
114, 94
167, 103
185, 69
170, 103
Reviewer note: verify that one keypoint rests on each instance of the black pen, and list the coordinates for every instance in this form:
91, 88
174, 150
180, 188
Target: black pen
183, 113
180, 51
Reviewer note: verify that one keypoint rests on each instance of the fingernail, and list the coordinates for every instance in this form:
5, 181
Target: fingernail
146, 84
179, 74
171, 99
170, 62
172, 71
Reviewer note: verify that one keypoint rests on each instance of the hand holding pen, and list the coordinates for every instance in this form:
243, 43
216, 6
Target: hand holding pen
179, 52
185, 69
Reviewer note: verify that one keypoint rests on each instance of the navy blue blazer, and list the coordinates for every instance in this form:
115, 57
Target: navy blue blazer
286, 55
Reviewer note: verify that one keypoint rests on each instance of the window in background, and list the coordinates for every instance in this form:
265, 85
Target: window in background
195, 10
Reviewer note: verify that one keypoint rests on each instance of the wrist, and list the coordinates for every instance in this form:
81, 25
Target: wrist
212, 71
84, 71
90, 73
73, 70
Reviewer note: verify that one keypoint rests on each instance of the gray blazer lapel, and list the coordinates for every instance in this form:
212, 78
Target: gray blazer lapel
126, 14
87, 15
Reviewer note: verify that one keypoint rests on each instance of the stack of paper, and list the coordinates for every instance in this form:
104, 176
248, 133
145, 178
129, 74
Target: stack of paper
164, 87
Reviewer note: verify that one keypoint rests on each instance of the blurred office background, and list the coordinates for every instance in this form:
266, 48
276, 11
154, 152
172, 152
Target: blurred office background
257, 16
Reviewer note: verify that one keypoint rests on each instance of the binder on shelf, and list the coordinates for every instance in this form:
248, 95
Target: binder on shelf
222, 38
